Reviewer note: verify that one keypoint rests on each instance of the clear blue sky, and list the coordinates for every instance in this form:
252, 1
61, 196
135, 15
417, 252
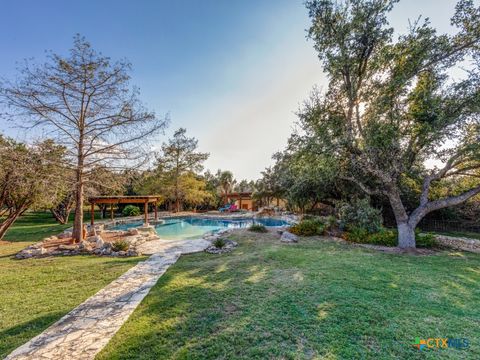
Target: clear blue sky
233, 72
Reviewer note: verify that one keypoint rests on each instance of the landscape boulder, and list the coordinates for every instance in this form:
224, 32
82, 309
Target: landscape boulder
31, 251
131, 240
85, 246
99, 243
288, 237
65, 235
68, 247
229, 246
133, 232
132, 253
106, 251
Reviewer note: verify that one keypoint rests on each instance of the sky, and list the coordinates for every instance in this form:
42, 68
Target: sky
232, 72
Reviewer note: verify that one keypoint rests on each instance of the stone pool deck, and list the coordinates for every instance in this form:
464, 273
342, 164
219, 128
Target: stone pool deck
84, 331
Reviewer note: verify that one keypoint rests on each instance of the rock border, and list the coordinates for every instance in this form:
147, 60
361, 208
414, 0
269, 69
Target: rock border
459, 243
229, 246
212, 236
91, 245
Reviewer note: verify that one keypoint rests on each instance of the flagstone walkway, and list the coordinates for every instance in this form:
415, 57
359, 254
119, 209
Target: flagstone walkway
84, 331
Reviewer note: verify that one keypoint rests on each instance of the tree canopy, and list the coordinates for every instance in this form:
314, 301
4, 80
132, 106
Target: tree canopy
30, 176
176, 173
392, 105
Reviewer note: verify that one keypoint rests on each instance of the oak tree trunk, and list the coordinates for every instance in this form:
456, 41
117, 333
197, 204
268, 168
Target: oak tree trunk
406, 235
60, 216
405, 225
11, 218
62, 211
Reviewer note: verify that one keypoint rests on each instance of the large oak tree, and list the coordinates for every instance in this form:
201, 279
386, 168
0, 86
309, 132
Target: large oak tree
392, 106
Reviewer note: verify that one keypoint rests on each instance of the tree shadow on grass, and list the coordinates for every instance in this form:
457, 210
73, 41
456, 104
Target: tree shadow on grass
12, 256
221, 310
335, 303
17, 335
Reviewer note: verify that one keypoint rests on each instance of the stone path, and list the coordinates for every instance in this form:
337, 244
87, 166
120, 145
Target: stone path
84, 331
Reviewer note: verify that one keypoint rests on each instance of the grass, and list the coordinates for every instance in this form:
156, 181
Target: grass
315, 299
35, 293
34, 226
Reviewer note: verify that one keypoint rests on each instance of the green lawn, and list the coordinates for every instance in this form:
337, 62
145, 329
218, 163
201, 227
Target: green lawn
315, 299
34, 226
35, 293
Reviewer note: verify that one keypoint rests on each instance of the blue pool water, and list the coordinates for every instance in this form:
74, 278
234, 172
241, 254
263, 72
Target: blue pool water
192, 227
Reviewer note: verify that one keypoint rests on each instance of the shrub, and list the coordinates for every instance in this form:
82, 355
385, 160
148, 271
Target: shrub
324, 223
387, 237
357, 234
322, 229
219, 243
310, 217
131, 210
425, 240
330, 222
307, 228
120, 245
259, 228
384, 237
359, 214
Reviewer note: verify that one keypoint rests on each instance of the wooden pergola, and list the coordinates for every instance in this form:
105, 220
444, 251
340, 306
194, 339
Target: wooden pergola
140, 199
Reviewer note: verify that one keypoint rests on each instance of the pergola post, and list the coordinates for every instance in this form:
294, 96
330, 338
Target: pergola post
146, 212
112, 200
92, 213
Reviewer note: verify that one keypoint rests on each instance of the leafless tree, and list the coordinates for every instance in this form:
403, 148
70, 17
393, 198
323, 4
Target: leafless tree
85, 101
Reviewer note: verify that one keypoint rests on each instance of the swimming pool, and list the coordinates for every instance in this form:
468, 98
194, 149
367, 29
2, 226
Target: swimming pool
194, 227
